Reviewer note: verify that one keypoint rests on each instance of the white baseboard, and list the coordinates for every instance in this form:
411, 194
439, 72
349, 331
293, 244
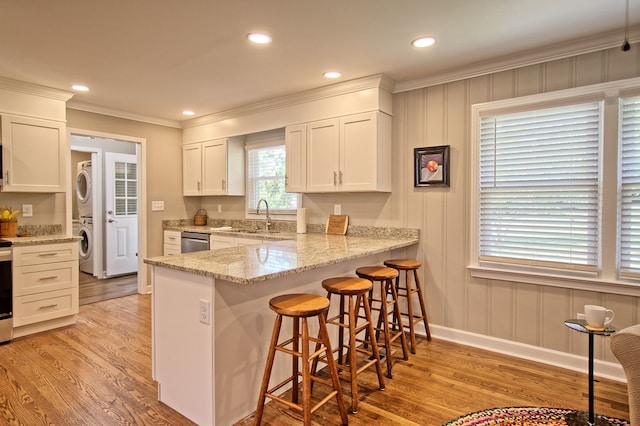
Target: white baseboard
604, 369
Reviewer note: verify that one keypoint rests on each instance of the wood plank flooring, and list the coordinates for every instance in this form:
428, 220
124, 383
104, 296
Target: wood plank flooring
98, 372
93, 290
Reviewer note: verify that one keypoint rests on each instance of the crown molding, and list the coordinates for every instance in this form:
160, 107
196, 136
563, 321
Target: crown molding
125, 115
581, 46
370, 82
34, 89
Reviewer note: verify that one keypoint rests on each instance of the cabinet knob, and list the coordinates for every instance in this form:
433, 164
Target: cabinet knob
335, 178
224, 184
340, 181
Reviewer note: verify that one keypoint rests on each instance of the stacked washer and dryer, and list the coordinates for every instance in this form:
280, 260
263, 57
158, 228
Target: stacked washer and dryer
84, 226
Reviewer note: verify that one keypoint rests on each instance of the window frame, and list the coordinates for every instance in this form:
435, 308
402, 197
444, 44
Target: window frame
266, 140
607, 277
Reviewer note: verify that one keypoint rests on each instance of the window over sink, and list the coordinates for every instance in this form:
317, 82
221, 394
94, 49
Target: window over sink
266, 158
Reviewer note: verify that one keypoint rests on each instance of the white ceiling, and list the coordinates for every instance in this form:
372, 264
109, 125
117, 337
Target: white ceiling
154, 58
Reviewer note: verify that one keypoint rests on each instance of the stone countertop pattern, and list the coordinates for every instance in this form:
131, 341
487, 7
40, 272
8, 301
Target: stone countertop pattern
244, 233
42, 239
258, 263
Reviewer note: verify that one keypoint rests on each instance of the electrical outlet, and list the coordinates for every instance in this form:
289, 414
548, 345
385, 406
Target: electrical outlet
205, 311
157, 206
219, 208
337, 209
27, 210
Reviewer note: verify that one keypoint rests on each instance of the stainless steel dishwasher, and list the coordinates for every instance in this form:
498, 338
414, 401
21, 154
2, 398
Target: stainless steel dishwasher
194, 241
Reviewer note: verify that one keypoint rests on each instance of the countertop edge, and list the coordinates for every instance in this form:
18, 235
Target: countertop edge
42, 239
161, 261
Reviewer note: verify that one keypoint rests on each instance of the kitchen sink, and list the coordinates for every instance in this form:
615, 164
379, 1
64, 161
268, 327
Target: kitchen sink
253, 231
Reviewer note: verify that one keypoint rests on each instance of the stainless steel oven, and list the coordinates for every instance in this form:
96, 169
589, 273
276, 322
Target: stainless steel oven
194, 241
6, 292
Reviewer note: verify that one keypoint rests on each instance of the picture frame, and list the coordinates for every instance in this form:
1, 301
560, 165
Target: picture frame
431, 167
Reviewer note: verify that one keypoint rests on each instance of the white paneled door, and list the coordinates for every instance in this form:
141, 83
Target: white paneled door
121, 219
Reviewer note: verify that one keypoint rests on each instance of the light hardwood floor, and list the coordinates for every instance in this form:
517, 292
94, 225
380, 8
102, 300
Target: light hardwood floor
93, 290
98, 372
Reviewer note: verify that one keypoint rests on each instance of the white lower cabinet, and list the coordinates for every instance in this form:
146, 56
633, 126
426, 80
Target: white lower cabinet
45, 287
171, 240
223, 241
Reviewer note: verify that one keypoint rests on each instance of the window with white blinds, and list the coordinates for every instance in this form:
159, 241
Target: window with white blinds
629, 210
539, 187
266, 155
125, 184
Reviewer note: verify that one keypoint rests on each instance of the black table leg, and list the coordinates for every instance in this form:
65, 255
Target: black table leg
591, 414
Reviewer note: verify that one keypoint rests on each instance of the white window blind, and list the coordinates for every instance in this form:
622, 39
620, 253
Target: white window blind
629, 210
126, 196
266, 179
539, 187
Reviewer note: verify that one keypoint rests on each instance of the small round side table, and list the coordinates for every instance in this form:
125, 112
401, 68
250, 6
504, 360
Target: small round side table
581, 326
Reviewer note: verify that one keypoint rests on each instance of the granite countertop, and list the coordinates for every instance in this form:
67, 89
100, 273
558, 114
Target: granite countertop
42, 239
254, 264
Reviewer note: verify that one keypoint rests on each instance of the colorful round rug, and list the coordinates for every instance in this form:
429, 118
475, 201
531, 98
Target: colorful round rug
532, 416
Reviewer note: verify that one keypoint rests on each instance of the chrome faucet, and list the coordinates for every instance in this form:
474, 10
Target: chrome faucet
267, 223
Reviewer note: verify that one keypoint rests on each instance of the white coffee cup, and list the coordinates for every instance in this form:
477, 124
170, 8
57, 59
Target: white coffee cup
597, 316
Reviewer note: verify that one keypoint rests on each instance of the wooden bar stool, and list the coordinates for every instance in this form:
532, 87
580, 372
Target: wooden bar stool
300, 307
387, 307
348, 289
408, 265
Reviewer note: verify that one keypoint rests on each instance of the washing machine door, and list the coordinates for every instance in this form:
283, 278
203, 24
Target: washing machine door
86, 245
83, 185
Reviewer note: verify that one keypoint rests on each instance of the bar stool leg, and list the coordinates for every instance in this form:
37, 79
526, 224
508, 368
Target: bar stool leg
374, 344
422, 305
396, 311
267, 371
324, 335
306, 374
295, 389
383, 317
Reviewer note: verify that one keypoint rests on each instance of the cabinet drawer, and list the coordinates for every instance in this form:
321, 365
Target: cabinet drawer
40, 278
172, 250
172, 237
44, 306
45, 253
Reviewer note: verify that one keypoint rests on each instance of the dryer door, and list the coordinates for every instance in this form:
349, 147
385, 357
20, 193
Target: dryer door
83, 186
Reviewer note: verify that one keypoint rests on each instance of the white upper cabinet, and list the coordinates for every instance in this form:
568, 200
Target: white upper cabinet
33, 157
295, 141
349, 154
214, 167
192, 169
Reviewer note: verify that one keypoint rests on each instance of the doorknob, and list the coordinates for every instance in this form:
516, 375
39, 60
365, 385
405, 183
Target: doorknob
111, 221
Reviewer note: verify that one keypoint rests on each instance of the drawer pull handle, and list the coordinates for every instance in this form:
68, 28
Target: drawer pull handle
47, 254
54, 277
48, 306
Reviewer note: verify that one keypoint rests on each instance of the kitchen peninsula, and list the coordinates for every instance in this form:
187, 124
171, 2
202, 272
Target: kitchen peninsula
211, 319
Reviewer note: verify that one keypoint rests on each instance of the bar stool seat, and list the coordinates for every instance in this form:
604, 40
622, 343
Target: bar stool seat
299, 307
386, 307
348, 288
406, 291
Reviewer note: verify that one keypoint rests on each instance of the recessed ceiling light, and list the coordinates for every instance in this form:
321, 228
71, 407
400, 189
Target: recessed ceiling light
332, 74
423, 41
80, 88
188, 112
259, 38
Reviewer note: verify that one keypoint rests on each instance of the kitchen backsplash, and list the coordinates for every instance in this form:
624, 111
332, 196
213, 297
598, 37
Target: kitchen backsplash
32, 230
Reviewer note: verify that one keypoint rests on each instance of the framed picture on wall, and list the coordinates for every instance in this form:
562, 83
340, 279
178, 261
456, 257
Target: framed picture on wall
431, 166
